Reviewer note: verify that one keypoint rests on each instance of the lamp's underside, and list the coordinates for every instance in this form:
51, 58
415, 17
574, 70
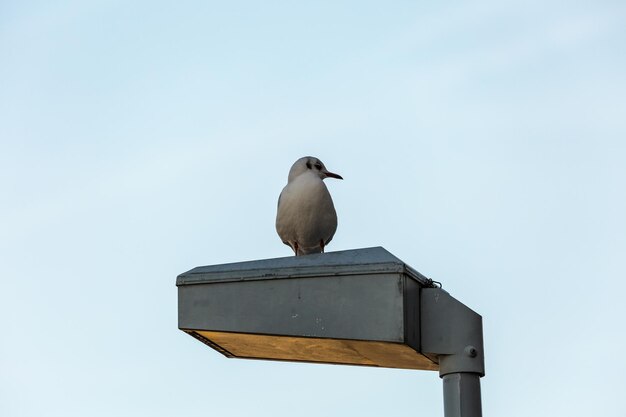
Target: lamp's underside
313, 349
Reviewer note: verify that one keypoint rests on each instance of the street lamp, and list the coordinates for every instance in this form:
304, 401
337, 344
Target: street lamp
357, 307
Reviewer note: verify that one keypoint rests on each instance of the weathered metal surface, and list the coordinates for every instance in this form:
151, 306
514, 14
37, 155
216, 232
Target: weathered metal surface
366, 307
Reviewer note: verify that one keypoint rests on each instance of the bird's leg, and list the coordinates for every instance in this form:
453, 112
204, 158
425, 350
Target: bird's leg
322, 245
295, 247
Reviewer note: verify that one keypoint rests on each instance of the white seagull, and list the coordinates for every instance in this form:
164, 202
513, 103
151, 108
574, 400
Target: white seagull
306, 219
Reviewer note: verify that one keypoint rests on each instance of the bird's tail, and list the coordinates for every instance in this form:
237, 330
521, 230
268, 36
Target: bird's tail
308, 251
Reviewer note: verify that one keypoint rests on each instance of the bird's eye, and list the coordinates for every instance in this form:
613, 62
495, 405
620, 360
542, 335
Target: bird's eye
318, 166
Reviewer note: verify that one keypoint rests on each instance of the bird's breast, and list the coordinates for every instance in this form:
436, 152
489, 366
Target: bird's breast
306, 214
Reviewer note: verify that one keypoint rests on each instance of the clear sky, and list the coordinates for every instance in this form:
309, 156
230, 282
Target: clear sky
483, 143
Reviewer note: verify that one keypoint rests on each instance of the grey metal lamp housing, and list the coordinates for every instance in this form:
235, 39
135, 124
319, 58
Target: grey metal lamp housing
356, 307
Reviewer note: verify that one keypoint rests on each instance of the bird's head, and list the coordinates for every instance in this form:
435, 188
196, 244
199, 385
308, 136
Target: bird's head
311, 164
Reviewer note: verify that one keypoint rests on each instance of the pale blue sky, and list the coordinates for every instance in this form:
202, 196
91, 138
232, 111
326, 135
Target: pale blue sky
483, 143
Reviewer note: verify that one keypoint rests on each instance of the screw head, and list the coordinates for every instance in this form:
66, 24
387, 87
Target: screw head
471, 351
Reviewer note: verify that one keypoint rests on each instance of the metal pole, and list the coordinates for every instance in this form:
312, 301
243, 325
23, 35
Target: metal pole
461, 395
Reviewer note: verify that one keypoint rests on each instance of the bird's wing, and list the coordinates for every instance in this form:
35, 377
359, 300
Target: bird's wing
278, 204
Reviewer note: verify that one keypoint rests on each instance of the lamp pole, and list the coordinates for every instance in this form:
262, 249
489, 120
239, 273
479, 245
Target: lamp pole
461, 395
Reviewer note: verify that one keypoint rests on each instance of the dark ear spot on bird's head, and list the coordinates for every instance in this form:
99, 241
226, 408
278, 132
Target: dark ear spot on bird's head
308, 164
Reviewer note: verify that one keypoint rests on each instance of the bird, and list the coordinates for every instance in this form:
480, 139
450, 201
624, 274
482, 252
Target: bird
306, 219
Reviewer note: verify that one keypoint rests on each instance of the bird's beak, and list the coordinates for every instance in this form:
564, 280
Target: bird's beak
333, 175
